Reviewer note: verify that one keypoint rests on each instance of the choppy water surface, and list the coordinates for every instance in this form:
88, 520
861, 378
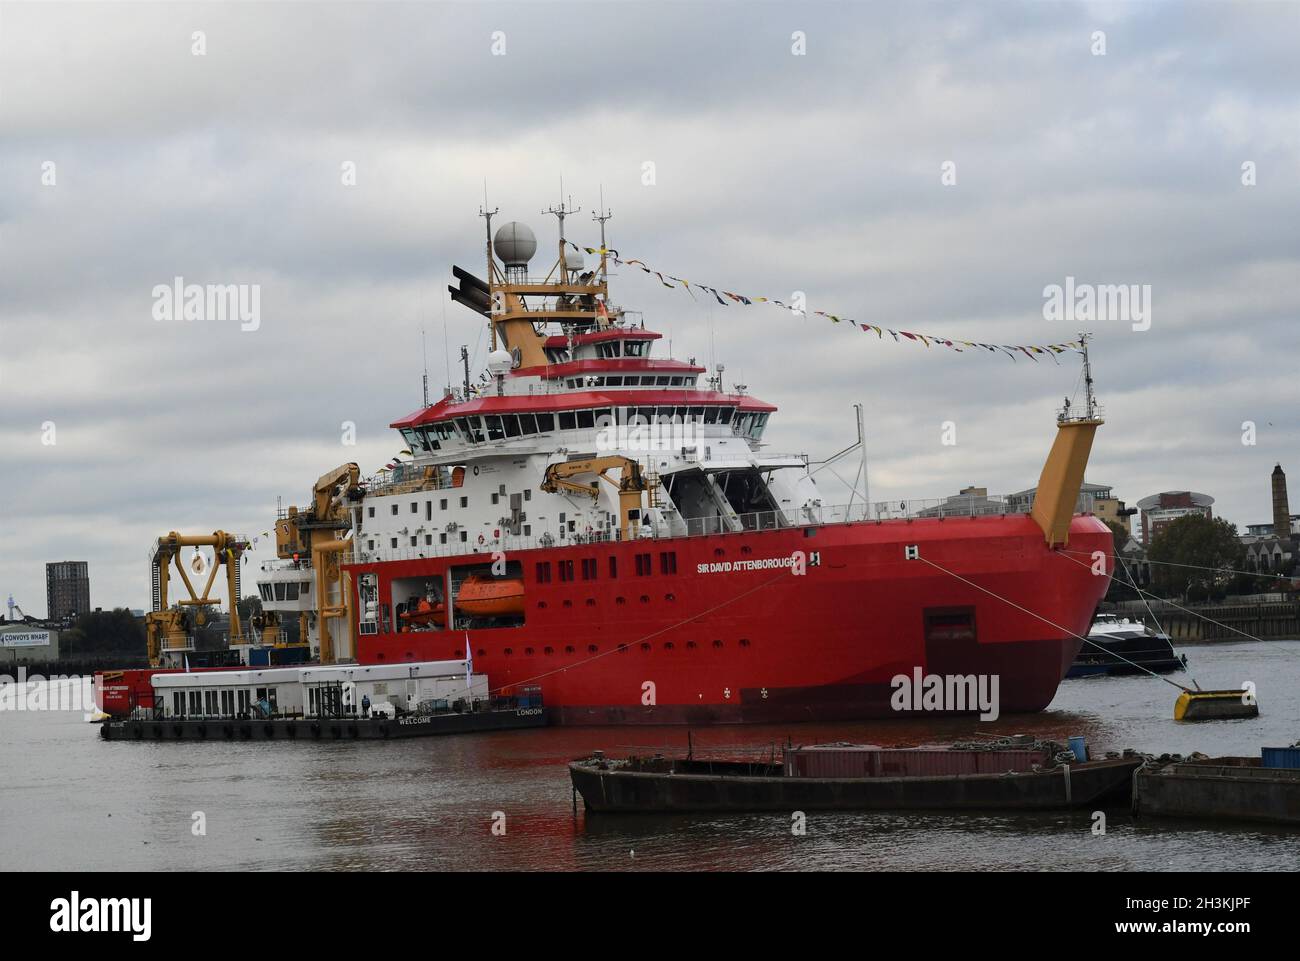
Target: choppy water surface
69, 801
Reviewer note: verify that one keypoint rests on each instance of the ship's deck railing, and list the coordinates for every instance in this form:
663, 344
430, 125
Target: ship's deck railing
812, 515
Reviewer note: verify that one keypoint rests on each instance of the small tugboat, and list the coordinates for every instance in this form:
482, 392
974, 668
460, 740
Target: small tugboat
1009, 774
1264, 788
1121, 645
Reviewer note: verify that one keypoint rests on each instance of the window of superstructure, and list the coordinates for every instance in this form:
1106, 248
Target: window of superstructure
568, 420
586, 419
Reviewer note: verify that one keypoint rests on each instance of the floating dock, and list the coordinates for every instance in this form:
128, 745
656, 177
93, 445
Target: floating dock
928, 782
1234, 788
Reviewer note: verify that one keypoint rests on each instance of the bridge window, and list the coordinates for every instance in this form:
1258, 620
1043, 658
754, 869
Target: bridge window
586, 418
568, 420
545, 423
495, 430
511, 422
634, 348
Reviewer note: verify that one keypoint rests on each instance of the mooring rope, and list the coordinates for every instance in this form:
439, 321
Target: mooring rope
1040, 617
1146, 594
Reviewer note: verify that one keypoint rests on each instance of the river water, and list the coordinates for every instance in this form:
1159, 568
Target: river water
70, 801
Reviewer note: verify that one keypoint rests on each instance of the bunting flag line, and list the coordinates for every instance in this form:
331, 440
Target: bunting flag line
727, 297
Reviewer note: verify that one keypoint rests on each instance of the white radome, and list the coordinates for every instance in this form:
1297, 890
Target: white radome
500, 362
515, 244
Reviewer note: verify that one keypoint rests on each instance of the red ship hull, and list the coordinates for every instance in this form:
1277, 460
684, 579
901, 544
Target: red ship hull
714, 629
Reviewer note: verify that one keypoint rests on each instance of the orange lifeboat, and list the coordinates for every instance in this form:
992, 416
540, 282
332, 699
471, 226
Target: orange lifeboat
491, 596
426, 612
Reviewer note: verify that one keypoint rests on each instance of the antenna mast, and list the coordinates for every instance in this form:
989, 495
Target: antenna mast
424, 350
600, 218
487, 216
560, 213
1090, 399
464, 357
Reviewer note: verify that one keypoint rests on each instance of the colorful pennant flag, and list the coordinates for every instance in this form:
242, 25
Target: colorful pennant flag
1029, 350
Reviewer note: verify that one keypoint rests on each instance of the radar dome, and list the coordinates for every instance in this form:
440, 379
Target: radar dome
515, 244
499, 362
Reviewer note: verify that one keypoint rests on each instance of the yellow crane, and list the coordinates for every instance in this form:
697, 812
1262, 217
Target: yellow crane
630, 485
167, 629
316, 532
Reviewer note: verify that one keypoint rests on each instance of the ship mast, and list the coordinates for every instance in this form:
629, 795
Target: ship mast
560, 213
487, 216
600, 218
1089, 399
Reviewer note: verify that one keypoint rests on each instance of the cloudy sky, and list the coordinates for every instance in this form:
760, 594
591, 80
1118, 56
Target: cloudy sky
774, 171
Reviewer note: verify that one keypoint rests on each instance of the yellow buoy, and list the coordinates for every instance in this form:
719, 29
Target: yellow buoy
1215, 705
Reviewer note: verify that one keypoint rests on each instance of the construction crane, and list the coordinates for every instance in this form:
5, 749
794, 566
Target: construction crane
630, 485
317, 533
166, 628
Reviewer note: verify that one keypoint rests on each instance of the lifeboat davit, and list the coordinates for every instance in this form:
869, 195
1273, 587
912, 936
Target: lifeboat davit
426, 612
491, 596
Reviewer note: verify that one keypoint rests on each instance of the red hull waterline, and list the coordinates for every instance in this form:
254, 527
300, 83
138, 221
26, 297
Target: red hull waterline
712, 629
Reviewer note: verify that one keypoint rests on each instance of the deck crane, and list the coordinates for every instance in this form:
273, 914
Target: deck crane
630, 486
167, 628
320, 533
